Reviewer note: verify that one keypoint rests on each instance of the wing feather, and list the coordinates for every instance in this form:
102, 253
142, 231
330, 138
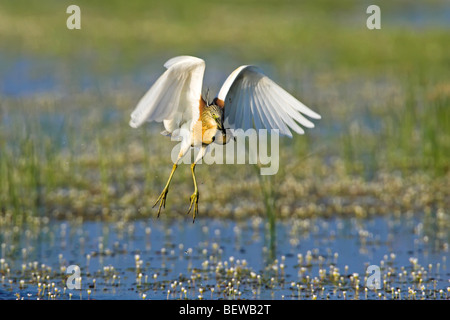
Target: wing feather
264, 123
273, 108
236, 112
256, 113
266, 108
289, 116
247, 121
291, 110
174, 97
253, 99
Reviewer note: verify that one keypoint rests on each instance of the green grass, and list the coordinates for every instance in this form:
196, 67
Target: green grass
384, 96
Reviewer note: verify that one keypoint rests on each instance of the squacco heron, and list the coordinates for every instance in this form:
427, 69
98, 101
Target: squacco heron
247, 99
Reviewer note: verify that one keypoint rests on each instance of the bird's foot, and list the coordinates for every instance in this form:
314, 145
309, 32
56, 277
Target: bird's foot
194, 203
162, 200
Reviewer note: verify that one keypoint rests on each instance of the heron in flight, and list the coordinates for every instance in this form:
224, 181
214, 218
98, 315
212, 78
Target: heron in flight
247, 99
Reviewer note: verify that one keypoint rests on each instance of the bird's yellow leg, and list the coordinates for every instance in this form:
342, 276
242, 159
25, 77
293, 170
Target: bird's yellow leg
195, 195
162, 197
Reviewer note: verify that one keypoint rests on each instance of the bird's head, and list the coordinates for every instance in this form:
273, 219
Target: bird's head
216, 113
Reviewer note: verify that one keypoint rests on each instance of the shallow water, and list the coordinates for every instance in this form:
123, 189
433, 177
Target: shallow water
145, 259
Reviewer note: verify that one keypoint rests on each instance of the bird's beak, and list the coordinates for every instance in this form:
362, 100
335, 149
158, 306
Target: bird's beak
228, 134
220, 127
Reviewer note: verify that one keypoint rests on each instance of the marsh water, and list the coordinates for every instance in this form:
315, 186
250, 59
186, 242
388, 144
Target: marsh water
217, 259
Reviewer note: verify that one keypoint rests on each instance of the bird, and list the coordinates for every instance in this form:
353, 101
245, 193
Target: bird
247, 99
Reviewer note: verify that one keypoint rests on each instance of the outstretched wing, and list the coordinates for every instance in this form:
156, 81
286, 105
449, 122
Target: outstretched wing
175, 97
252, 100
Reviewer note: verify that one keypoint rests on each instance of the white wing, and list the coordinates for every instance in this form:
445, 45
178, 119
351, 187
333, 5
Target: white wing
175, 97
252, 100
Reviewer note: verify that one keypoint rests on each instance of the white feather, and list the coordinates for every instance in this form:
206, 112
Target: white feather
253, 100
174, 98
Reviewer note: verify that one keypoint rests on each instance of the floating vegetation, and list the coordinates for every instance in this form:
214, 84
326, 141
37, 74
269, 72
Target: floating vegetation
212, 259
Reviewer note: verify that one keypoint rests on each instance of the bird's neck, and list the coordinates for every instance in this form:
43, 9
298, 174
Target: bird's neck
207, 120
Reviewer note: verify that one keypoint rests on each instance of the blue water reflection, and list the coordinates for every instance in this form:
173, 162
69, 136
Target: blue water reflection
175, 251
